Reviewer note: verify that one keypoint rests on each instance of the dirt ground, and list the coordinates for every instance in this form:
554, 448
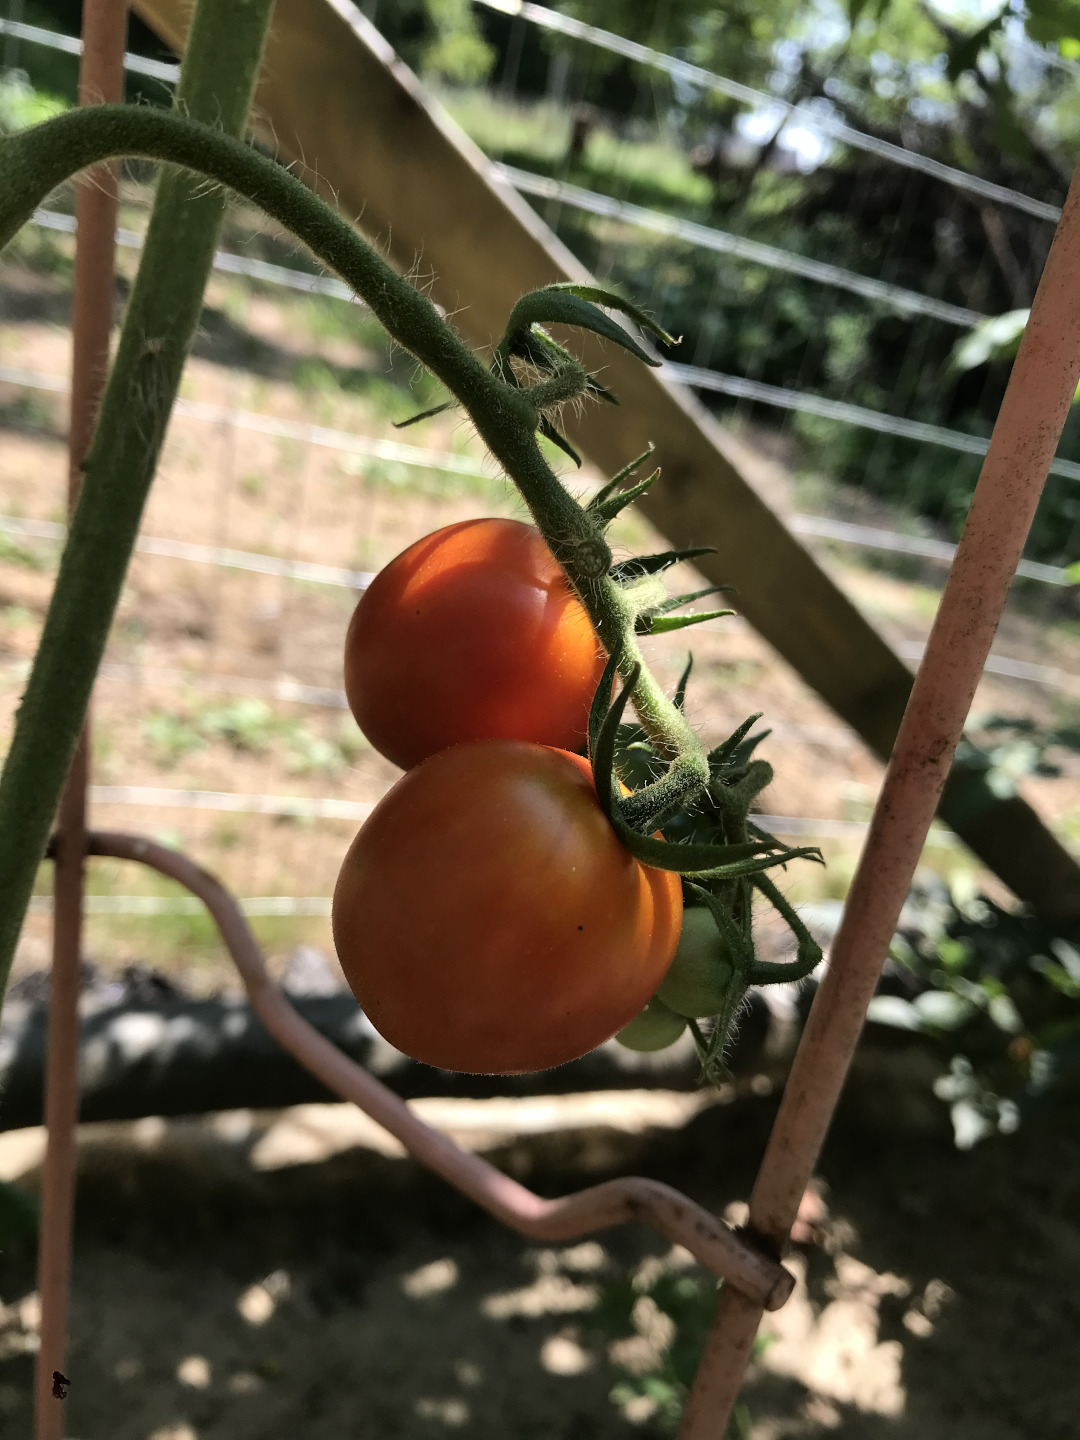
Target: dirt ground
280, 1275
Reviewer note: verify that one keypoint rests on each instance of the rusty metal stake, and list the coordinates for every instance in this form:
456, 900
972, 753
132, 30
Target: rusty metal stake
616, 1202
101, 78
1026, 435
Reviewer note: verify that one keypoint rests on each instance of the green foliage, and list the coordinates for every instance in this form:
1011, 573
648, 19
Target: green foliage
998, 992
250, 726
457, 51
673, 1309
12, 553
246, 725
21, 105
996, 338
19, 1216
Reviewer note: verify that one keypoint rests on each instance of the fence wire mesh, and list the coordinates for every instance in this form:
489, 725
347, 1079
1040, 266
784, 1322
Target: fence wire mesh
220, 719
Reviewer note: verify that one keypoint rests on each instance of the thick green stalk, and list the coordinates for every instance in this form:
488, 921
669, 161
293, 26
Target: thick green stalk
136, 410
217, 82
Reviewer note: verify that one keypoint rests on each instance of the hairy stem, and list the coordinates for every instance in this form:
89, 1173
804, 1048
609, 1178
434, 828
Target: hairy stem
157, 334
217, 81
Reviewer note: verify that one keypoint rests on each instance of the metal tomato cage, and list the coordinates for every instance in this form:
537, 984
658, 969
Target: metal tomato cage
1043, 381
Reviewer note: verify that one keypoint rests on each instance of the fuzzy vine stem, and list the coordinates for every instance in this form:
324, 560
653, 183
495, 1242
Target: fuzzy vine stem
217, 80
32, 163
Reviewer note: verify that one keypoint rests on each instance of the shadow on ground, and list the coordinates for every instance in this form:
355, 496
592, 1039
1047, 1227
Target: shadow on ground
353, 1296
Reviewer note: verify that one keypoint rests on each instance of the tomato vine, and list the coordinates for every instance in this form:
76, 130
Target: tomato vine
512, 401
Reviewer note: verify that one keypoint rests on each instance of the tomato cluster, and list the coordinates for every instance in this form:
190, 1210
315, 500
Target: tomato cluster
487, 917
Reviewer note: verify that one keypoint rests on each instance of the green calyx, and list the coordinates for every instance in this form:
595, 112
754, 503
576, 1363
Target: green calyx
723, 858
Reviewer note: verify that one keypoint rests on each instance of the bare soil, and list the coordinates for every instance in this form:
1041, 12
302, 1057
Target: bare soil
281, 1275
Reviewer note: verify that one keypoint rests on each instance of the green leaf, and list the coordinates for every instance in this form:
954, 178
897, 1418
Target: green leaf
894, 1011
572, 304
995, 338
640, 565
943, 1009
1055, 22
662, 624
964, 53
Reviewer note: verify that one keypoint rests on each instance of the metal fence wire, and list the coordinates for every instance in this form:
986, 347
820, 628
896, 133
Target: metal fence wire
220, 712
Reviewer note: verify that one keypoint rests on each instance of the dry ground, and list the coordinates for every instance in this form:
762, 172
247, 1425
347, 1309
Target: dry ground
287, 1275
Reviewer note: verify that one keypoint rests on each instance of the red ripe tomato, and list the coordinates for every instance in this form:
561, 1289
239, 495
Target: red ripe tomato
471, 634
488, 918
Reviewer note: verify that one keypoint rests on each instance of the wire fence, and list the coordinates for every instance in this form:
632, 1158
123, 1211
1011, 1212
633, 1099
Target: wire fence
778, 333
220, 718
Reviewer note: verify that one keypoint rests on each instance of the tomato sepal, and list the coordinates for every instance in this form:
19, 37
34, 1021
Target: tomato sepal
610, 492
664, 624
687, 858
605, 506
577, 305
639, 565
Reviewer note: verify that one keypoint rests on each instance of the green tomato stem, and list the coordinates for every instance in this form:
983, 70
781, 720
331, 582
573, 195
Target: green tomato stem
217, 80
161, 319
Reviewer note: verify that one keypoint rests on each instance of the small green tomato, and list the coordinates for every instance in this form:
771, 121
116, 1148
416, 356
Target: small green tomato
699, 974
653, 1028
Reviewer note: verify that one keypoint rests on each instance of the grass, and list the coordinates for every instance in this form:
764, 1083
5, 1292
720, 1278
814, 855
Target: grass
12, 553
251, 726
174, 932
536, 137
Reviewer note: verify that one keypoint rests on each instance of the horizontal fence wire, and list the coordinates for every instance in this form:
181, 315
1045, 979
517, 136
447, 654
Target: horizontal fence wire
73, 45
224, 260
722, 242
868, 537
781, 398
811, 118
